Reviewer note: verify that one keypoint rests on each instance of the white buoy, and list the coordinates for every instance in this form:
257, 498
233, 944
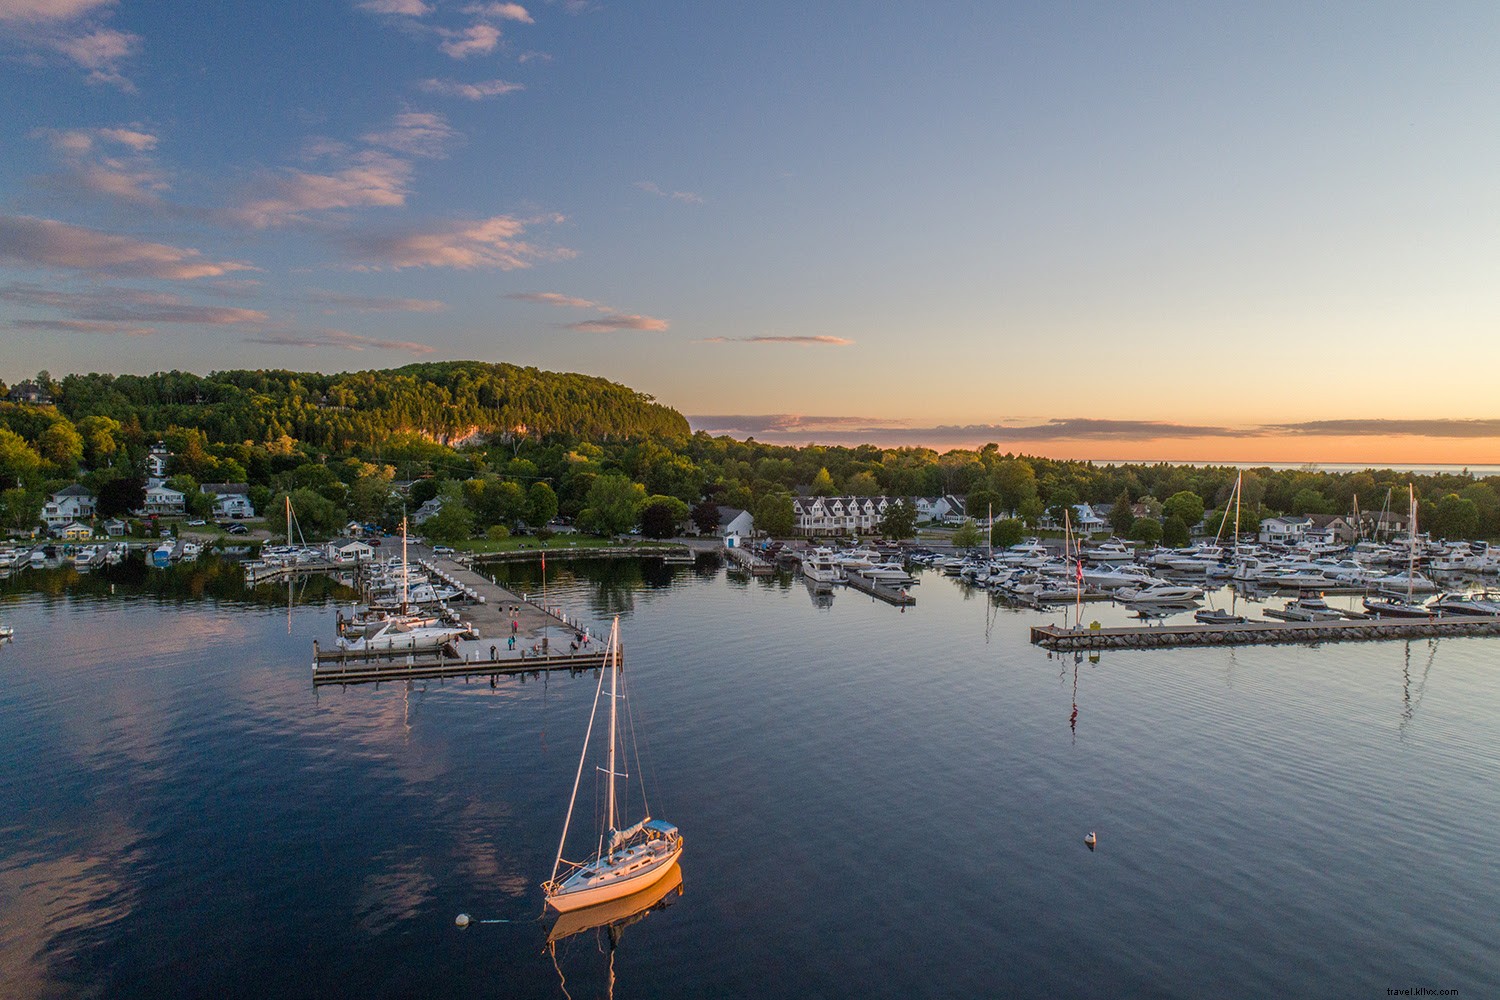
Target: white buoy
1091, 840
462, 920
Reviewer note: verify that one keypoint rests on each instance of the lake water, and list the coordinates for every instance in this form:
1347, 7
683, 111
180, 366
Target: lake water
875, 803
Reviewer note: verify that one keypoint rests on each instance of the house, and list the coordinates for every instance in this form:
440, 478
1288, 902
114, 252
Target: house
115, 527
735, 524
350, 550
29, 392
164, 500
813, 516
1084, 520
230, 499
156, 461
1283, 530
1332, 529
71, 503
427, 511
73, 532
958, 508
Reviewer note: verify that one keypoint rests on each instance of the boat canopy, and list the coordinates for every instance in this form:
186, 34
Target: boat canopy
660, 826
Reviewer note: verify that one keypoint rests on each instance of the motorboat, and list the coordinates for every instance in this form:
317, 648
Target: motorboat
1159, 593
1218, 616
820, 565
1307, 608
1111, 551
1466, 604
398, 635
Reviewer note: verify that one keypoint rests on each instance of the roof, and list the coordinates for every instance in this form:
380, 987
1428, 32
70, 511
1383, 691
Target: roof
73, 491
226, 489
728, 514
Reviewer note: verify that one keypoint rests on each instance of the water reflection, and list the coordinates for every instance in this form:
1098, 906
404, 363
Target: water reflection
612, 918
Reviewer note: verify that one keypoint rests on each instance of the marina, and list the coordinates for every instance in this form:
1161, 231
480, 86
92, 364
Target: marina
1259, 633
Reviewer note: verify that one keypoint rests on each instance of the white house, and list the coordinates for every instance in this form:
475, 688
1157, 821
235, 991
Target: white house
71, 503
1283, 530
73, 531
230, 499
838, 515
349, 550
164, 500
427, 511
735, 524
156, 461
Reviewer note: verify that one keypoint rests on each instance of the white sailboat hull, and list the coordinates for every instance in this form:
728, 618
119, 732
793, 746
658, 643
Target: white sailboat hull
581, 890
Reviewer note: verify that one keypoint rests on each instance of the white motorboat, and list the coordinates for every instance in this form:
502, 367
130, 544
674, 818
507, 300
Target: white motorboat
1466, 604
1111, 577
1307, 608
820, 565
626, 861
1159, 593
1110, 551
396, 635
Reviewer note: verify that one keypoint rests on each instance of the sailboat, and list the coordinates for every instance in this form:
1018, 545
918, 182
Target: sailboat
1409, 608
625, 861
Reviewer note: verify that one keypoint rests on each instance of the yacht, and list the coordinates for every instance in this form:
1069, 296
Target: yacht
1159, 593
820, 565
1307, 608
1111, 551
396, 634
1466, 604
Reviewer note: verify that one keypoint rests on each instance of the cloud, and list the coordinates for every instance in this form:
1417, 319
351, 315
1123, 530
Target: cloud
800, 341
69, 28
1437, 428
496, 242
372, 179
125, 306
618, 321
420, 133
531, 55
404, 8
31, 11
501, 11
475, 40
469, 91
341, 339
94, 163
82, 326
553, 299
26, 241
373, 303
687, 197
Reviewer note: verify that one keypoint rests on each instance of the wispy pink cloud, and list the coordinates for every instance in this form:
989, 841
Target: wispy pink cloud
404, 8
125, 306
341, 339
500, 11
553, 299
74, 30
26, 241
112, 162
469, 91
82, 326
475, 40
32, 11
496, 242
373, 303
373, 179
619, 321
799, 341
686, 197
419, 133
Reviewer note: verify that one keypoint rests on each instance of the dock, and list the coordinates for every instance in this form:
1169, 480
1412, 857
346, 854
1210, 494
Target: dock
891, 595
749, 561
544, 637
1260, 633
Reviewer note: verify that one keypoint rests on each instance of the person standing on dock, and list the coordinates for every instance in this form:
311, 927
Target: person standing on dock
514, 626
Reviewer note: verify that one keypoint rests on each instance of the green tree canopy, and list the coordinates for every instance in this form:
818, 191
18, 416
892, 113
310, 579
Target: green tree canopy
613, 504
900, 521
1186, 505
1007, 532
1146, 529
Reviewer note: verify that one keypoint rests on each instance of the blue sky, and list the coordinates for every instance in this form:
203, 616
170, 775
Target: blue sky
1256, 232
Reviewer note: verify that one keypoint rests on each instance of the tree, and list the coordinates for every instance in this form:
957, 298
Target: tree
967, 535
1174, 531
1455, 517
541, 504
18, 461
1310, 501
612, 505
982, 503
1121, 516
99, 439
20, 508
900, 521
705, 515
61, 445
121, 496
1146, 529
1063, 502
453, 523
659, 517
863, 484
1031, 510
774, 515
1007, 532
822, 484
1186, 505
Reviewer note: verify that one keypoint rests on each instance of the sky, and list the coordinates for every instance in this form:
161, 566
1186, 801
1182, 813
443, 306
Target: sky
1143, 231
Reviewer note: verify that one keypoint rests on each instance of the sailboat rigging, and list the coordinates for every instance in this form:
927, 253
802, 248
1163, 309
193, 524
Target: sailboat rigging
625, 861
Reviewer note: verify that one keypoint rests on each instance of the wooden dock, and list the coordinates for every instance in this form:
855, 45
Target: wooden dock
900, 597
749, 561
1261, 633
544, 636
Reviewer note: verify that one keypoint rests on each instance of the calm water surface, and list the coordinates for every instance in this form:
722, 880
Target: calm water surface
875, 804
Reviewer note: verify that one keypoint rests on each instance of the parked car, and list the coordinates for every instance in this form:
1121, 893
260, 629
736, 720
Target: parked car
442, 550
197, 522
238, 529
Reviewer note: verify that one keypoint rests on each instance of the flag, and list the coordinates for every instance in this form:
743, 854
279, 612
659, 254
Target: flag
1080, 570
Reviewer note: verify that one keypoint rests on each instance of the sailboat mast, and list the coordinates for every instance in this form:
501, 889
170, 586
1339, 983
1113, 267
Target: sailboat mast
614, 680
289, 520
1411, 558
405, 588
1239, 481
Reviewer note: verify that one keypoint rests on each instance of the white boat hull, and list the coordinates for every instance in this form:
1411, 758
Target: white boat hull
571, 897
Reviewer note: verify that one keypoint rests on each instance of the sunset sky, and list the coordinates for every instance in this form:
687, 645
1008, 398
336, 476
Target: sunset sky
1255, 232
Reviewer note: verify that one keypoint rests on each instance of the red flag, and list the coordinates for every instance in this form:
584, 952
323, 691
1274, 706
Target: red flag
1080, 571
544, 560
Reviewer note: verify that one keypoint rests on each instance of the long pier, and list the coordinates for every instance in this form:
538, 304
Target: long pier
1260, 633
866, 585
544, 637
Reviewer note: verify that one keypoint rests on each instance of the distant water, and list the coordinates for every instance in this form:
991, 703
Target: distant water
875, 804
1477, 471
